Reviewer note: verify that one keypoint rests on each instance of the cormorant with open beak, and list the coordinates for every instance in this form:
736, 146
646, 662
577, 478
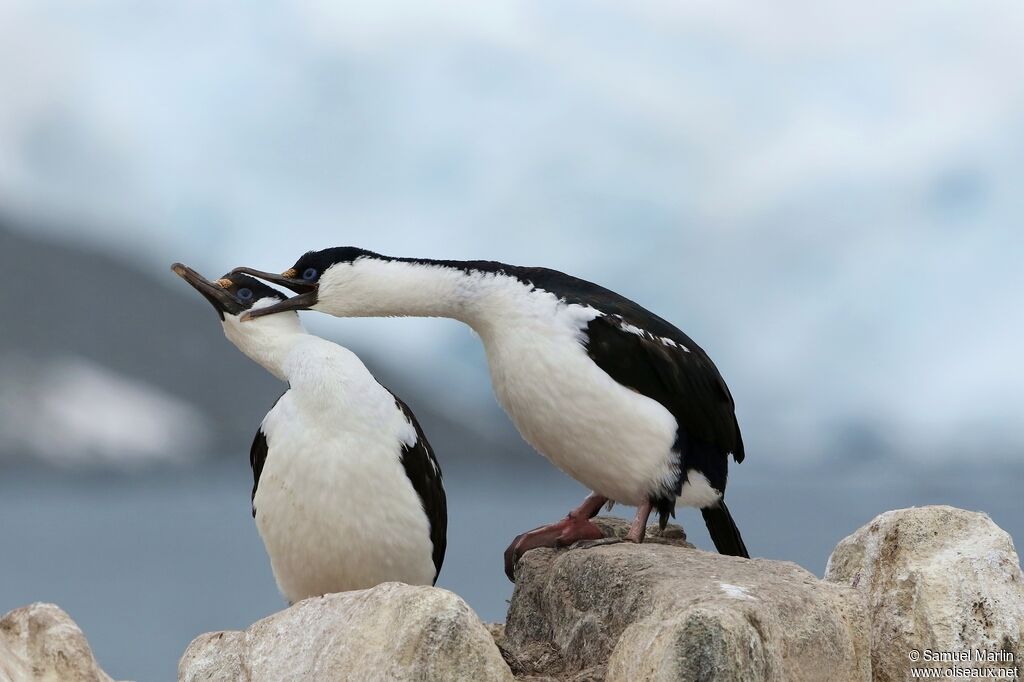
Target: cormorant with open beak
346, 491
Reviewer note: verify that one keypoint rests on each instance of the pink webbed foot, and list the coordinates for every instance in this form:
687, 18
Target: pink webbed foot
561, 534
575, 527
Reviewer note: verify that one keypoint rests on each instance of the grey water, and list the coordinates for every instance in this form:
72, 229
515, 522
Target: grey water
146, 561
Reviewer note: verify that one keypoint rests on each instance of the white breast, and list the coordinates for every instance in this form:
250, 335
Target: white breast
334, 507
614, 440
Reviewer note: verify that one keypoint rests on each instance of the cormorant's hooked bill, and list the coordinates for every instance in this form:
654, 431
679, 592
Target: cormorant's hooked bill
232, 294
288, 278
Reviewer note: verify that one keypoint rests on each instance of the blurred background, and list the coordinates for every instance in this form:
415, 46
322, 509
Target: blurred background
825, 196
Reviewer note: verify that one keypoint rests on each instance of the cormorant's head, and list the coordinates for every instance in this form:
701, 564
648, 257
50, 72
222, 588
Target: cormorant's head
315, 268
232, 294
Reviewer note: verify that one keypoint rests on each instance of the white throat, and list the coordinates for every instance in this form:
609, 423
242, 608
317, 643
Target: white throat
266, 340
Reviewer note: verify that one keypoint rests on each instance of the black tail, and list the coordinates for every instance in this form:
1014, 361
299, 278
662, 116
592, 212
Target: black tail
723, 530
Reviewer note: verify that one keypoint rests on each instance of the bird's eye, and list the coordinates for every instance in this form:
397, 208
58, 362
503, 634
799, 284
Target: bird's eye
309, 274
244, 294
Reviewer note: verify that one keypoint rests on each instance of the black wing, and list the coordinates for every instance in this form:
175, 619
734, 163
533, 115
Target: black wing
258, 455
681, 377
425, 475
629, 343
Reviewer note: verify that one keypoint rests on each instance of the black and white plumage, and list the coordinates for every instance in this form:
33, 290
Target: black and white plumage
614, 395
346, 492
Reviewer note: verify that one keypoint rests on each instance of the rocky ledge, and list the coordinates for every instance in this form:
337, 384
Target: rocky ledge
926, 579
656, 612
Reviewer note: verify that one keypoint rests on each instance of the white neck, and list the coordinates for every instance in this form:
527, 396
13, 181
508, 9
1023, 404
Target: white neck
267, 340
324, 375
372, 287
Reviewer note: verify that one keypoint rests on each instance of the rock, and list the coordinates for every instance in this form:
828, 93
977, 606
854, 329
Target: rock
41, 643
497, 631
614, 527
662, 612
936, 578
389, 632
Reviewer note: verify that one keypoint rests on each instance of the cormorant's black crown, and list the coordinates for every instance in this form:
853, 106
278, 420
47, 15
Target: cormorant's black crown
313, 264
247, 290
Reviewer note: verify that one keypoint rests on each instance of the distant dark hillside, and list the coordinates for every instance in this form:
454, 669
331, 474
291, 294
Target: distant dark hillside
60, 300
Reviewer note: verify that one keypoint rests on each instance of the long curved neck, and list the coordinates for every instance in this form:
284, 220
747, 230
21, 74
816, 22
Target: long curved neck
420, 288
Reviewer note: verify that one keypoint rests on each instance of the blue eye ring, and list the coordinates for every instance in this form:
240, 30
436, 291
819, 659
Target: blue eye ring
309, 274
244, 294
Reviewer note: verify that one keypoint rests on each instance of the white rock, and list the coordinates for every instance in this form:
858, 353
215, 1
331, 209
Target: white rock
389, 632
936, 578
40, 643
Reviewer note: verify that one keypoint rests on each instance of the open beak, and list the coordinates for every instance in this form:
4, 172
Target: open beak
286, 279
301, 302
219, 297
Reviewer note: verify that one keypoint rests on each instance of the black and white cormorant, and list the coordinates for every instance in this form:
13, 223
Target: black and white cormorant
346, 491
612, 394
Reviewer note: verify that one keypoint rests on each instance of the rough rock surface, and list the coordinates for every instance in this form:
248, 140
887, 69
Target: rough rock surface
661, 612
614, 527
40, 643
935, 578
390, 632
